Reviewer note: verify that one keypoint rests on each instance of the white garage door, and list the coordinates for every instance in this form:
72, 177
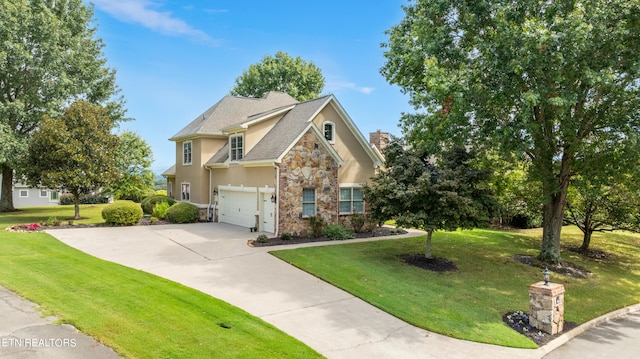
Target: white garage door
238, 207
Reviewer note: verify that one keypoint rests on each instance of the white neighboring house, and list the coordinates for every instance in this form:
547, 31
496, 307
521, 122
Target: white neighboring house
25, 196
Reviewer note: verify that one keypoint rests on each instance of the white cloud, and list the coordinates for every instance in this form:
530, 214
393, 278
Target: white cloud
142, 12
335, 86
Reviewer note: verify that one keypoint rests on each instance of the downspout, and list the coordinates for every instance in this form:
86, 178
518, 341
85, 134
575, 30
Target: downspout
277, 194
209, 209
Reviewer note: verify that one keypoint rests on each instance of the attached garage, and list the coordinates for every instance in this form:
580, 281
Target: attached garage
238, 205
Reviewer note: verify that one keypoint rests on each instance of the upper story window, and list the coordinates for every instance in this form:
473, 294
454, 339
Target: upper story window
236, 147
186, 153
329, 130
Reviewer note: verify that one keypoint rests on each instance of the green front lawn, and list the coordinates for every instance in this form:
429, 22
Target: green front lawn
137, 314
90, 213
469, 303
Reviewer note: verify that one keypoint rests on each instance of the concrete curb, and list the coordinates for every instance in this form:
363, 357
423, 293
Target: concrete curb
563, 339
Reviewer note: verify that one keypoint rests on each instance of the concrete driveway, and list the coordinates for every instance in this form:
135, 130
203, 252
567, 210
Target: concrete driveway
215, 259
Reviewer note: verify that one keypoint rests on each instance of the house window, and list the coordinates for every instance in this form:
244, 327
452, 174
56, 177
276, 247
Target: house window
24, 193
170, 189
186, 153
329, 131
43, 193
351, 200
54, 196
308, 202
237, 147
186, 192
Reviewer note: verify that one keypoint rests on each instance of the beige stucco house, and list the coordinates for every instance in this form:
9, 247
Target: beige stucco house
270, 163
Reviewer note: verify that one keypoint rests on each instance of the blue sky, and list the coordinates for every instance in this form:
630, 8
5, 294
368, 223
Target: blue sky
174, 59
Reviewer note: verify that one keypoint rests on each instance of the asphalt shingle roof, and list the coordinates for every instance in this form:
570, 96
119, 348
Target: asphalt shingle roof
285, 131
231, 111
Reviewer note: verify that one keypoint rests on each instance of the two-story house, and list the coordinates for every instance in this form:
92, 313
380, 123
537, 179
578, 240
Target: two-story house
272, 162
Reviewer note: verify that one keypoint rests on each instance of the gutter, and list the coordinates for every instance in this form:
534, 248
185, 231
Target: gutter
277, 194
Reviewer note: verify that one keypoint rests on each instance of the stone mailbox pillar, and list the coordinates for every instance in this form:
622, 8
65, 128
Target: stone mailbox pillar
546, 307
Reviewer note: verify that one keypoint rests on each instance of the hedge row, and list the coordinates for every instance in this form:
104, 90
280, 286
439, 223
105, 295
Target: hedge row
126, 212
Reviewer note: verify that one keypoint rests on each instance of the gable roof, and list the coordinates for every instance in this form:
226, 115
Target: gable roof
295, 122
232, 111
286, 131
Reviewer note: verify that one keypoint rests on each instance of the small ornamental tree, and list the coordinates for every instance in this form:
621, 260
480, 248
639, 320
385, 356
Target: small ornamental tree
302, 80
133, 160
608, 198
601, 208
74, 153
421, 192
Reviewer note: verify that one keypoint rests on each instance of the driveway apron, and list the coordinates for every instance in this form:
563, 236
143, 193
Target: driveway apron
214, 258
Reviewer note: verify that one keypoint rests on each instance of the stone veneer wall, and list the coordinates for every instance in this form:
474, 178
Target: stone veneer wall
307, 165
546, 307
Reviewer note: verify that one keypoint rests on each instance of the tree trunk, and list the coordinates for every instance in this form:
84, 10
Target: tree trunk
76, 206
6, 196
552, 217
427, 252
586, 240
551, 228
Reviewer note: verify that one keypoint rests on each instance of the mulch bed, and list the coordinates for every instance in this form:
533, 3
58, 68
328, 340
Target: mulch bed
378, 232
519, 321
595, 254
566, 268
145, 221
435, 264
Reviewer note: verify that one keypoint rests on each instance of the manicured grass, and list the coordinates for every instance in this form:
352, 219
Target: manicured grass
90, 213
469, 303
137, 314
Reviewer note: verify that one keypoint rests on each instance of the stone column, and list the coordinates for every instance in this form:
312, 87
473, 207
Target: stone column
546, 307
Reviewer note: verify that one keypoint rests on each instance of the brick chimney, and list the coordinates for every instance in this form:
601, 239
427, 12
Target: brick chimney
379, 139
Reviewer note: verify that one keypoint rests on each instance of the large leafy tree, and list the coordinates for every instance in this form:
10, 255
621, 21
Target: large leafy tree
418, 192
133, 160
49, 58
75, 152
548, 79
301, 79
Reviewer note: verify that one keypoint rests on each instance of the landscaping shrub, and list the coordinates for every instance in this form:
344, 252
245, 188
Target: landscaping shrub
149, 202
336, 231
357, 221
286, 236
262, 238
66, 199
160, 210
317, 225
122, 213
183, 212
